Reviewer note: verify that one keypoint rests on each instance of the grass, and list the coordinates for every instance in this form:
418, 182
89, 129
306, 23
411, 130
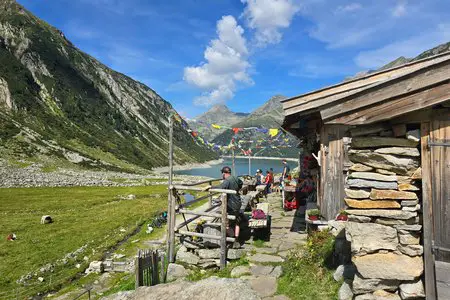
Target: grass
91, 216
259, 243
305, 272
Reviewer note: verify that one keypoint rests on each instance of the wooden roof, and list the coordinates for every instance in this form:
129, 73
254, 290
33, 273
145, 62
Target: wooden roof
378, 96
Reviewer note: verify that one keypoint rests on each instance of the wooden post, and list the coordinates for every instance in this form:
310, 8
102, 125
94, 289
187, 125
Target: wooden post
210, 195
137, 270
233, 167
171, 200
223, 229
249, 165
427, 206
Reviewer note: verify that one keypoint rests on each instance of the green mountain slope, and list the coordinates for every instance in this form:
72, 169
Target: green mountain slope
56, 101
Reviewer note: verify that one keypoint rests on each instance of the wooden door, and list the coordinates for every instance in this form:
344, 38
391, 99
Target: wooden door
439, 147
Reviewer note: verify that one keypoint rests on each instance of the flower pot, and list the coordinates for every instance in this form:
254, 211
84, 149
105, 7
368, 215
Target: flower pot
313, 218
342, 218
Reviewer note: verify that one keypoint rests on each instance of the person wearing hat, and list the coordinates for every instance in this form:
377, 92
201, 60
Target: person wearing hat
234, 203
259, 177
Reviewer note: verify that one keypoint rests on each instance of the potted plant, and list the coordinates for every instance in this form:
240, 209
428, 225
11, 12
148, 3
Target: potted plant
313, 214
343, 216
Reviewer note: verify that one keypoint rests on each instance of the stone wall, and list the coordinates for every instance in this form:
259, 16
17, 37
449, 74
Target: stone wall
384, 227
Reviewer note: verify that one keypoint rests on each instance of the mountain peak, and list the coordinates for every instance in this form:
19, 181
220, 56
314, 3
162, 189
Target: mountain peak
220, 108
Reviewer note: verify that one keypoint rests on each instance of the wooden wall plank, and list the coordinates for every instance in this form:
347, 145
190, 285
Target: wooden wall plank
427, 204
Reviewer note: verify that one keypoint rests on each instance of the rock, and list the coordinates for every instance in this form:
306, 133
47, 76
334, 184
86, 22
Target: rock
345, 292
260, 270
385, 172
209, 288
399, 165
278, 297
365, 297
388, 133
187, 257
415, 227
357, 194
268, 250
409, 202
95, 267
399, 130
360, 168
360, 219
366, 130
175, 271
265, 258
361, 183
385, 221
276, 272
208, 253
372, 176
412, 290
407, 187
408, 238
377, 142
411, 250
383, 213
413, 135
46, 219
208, 263
338, 275
371, 237
239, 271
235, 253
362, 285
389, 266
190, 245
417, 174
411, 208
390, 194
372, 203
264, 286
402, 151
383, 295
131, 197
41, 279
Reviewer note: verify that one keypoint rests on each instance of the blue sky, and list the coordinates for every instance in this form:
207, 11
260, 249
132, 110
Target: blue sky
196, 53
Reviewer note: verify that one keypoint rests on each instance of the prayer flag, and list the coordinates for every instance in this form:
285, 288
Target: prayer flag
216, 126
273, 132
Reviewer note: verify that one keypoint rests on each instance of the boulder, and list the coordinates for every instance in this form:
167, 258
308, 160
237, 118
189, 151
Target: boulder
415, 227
338, 275
363, 286
399, 165
411, 250
377, 142
371, 237
46, 219
410, 202
389, 266
362, 183
413, 135
208, 263
239, 271
391, 194
408, 187
175, 271
235, 253
187, 257
372, 204
383, 213
95, 266
408, 238
412, 290
386, 221
345, 292
360, 168
402, 151
372, 176
208, 253
357, 194
383, 295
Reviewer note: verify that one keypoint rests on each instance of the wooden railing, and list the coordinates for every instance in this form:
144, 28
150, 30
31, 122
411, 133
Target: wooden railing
176, 207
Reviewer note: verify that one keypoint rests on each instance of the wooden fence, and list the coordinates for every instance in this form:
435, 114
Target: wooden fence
150, 268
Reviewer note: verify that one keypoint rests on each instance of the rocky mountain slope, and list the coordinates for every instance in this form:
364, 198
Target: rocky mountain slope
218, 114
58, 102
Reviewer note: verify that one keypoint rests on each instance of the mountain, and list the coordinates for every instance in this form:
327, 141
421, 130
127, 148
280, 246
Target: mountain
218, 114
60, 104
269, 115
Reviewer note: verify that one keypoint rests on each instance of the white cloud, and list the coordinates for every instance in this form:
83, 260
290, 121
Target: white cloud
408, 47
225, 65
268, 17
348, 8
400, 9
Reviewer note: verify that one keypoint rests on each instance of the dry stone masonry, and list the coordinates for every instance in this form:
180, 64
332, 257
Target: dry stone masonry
384, 206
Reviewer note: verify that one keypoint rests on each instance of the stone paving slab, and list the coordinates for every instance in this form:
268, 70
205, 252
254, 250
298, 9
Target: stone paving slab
265, 258
264, 286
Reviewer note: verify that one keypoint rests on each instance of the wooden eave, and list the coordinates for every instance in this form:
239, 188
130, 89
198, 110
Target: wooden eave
304, 104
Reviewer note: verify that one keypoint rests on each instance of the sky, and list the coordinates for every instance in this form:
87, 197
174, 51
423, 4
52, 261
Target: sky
198, 53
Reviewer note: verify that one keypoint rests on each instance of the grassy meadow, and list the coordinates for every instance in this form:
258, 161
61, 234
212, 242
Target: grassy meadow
94, 217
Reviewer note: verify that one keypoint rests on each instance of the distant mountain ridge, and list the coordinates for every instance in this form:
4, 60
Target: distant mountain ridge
58, 102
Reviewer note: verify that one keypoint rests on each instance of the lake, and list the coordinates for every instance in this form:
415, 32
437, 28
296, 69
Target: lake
241, 167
